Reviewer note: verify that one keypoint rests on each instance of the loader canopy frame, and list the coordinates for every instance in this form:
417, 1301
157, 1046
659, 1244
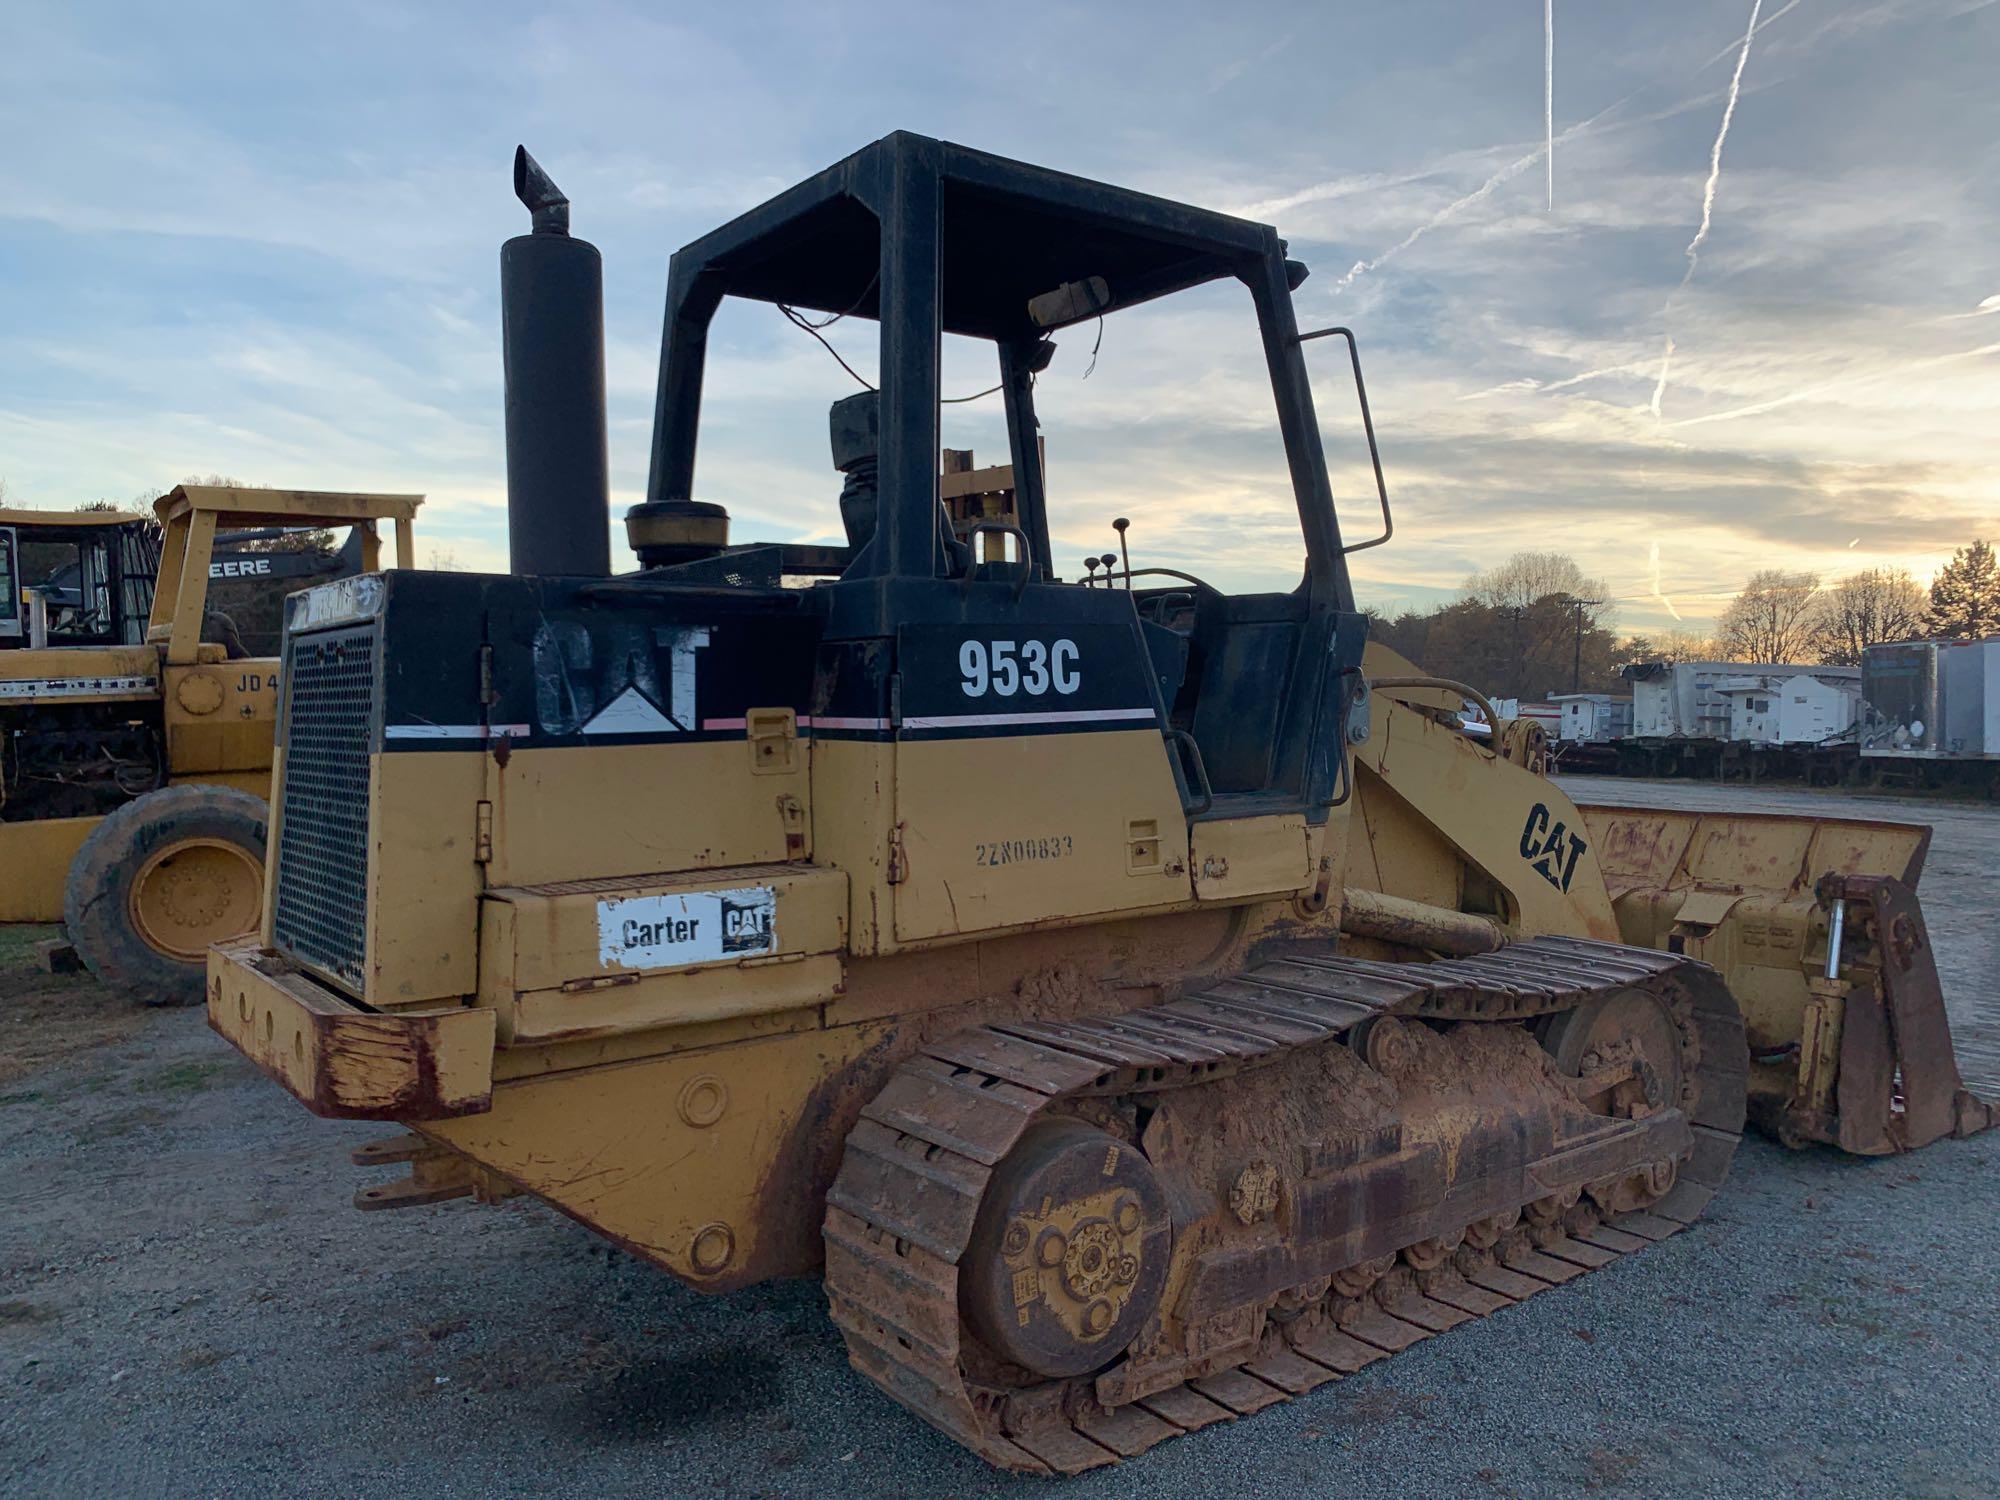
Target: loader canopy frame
188, 517
928, 238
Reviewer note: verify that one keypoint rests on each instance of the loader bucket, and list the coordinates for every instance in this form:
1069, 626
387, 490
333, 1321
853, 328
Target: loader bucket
1815, 924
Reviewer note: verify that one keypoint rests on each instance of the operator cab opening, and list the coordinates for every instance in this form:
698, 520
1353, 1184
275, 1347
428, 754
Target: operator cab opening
1249, 690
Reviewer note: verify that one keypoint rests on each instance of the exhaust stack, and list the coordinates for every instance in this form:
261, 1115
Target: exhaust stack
552, 340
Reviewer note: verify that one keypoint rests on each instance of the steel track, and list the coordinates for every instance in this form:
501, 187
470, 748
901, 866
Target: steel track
902, 1209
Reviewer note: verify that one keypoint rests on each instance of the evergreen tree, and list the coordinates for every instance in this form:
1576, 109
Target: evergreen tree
1965, 596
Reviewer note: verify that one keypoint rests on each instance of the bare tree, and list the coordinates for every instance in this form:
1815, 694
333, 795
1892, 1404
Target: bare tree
1774, 619
1671, 645
1689, 645
1528, 577
1881, 604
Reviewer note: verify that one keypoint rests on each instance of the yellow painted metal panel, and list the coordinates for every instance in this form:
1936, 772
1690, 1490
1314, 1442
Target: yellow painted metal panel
853, 815
79, 661
680, 1158
1237, 857
423, 877
557, 938
624, 810
650, 1002
34, 862
1001, 832
72, 674
1513, 825
220, 715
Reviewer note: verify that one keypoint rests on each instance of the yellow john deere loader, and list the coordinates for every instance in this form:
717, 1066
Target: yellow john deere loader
1140, 1002
135, 733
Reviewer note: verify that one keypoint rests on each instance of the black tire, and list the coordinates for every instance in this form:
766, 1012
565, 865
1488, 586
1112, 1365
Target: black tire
211, 830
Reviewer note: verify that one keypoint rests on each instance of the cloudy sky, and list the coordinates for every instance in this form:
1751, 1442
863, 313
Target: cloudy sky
262, 241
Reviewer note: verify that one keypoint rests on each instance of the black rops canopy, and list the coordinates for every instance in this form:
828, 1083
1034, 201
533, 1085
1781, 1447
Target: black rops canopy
928, 237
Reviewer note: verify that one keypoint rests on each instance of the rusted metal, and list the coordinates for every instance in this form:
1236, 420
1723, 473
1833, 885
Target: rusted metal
1899, 1085
1417, 924
343, 1062
1815, 923
436, 1174
983, 1216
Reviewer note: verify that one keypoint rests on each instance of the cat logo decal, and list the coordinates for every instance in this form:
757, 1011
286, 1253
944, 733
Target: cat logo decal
1550, 847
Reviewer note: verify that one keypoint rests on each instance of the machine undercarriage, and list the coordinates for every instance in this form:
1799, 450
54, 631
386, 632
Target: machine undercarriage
1265, 1184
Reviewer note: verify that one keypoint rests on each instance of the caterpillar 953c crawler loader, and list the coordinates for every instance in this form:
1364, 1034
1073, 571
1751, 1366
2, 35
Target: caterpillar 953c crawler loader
1133, 1013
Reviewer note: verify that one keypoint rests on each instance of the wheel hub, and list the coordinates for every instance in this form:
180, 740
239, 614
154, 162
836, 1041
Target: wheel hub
195, 892
1070, 1253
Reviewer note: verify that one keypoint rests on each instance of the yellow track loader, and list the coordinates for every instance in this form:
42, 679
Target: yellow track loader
135, 730
1138, 1000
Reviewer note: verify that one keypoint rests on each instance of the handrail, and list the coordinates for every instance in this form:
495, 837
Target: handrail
1368, 427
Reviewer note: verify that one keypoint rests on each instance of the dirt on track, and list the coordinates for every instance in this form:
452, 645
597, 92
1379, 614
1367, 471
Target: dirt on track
188, 1305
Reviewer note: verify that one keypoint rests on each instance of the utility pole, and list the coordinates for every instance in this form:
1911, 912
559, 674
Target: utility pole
1576, 654
1519, 680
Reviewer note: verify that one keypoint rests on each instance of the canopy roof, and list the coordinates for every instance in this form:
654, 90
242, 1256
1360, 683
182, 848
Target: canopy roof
244, 506
80, 519
1009, 232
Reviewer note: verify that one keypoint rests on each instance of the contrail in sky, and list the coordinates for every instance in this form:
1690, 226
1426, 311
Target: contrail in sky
1769, 21
1707, 199
1808, 393
1549, 93
1479, 194
1986, 309
1653, 561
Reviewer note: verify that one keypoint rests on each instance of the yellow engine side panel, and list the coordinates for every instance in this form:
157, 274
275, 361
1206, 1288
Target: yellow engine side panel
423, 876
1269, 855
1027, 828
219, 716
566, 813
853, 815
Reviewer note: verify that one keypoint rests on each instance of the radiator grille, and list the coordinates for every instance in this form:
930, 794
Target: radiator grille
320, 915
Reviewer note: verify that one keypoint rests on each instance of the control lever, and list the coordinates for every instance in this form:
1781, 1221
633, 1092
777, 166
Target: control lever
1121, 526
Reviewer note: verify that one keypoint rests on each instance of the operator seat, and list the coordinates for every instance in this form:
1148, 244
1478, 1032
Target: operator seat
854, 430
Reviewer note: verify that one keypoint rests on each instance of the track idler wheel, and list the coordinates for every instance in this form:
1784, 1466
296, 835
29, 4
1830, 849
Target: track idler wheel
1069, 1254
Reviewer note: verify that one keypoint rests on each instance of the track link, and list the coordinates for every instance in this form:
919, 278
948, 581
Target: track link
902, 1210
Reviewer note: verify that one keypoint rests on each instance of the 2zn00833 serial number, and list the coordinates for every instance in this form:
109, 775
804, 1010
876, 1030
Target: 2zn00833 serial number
1024, 851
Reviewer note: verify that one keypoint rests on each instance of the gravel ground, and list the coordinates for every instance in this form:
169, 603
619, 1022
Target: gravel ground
189, 1306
